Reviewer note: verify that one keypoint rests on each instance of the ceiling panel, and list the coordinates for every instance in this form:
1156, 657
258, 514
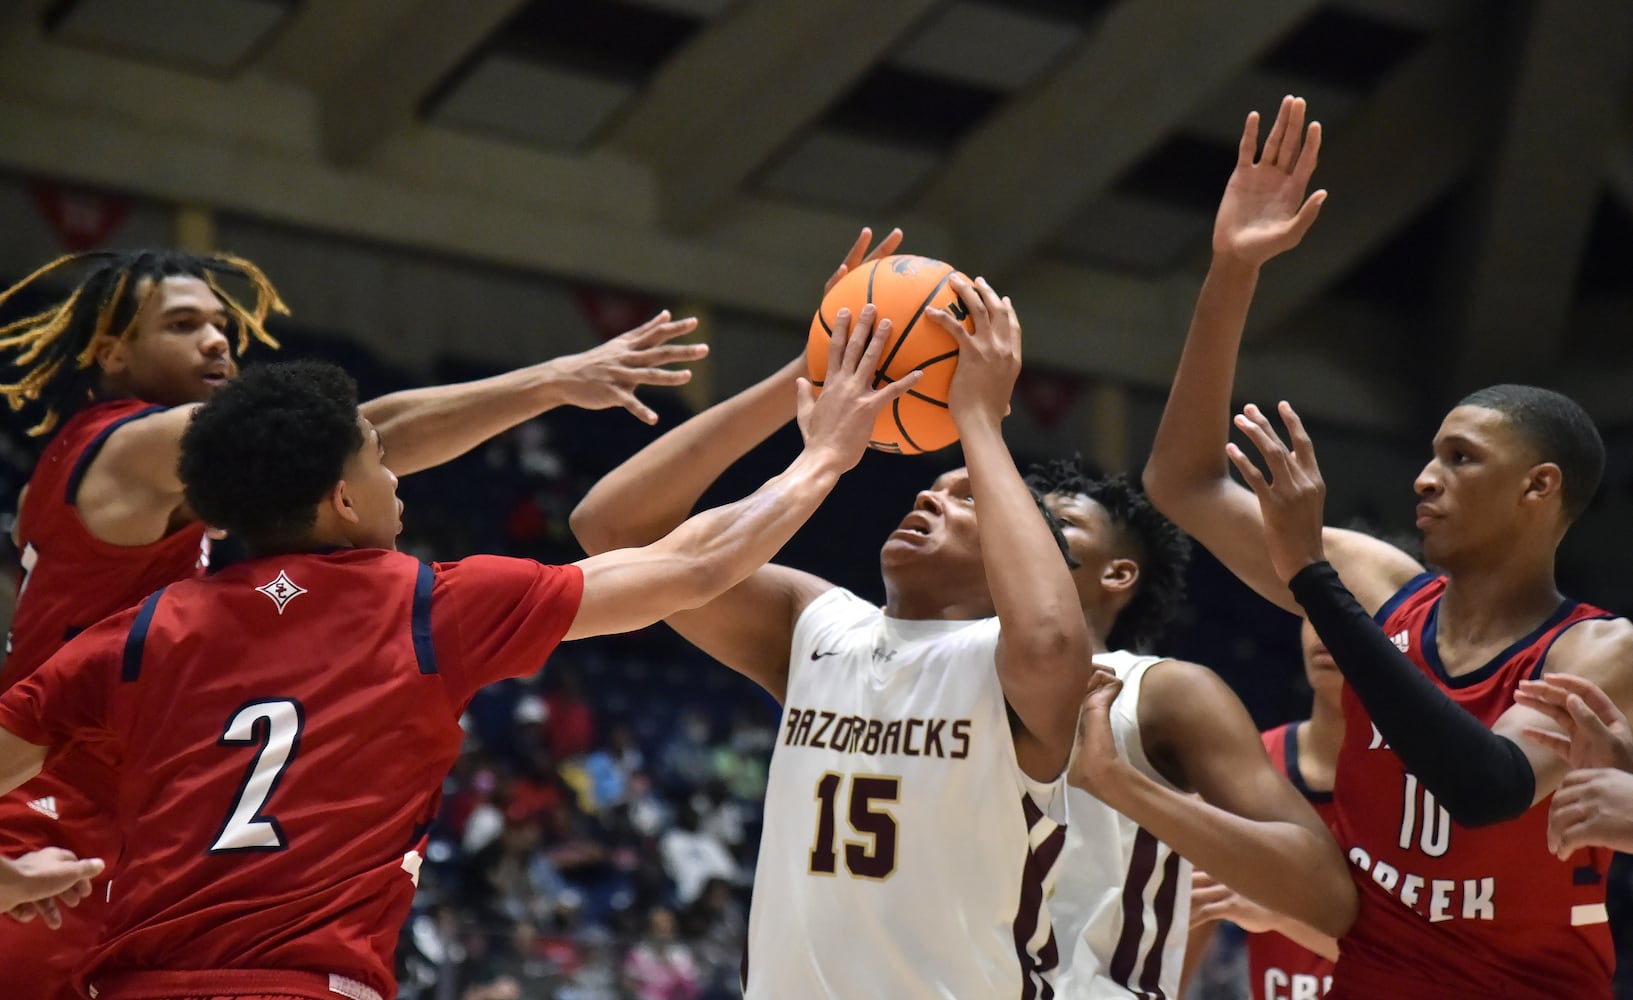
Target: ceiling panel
841, 170
1132, 233
208, 36
988, 45
537, 103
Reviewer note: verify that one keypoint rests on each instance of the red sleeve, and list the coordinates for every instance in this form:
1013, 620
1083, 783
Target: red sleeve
493, 617
66, 699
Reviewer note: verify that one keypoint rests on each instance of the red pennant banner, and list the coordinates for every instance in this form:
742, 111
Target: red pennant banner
83, 220
611, 313
1047, 395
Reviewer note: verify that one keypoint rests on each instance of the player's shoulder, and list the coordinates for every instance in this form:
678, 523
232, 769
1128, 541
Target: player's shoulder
1604, 642
1374, 570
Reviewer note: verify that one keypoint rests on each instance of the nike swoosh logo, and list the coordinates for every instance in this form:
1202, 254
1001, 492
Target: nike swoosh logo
817, 656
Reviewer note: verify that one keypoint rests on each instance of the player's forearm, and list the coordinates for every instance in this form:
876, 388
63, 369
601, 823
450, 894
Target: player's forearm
1479, 776
423, 428
725, 544
1031, 584
1188, 453
653, 491
1277, 864
20, 760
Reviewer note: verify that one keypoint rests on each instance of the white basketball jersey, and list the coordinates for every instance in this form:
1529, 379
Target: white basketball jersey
1122, 899
904, 853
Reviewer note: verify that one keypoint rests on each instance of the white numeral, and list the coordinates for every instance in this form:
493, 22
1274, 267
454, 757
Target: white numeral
246, 829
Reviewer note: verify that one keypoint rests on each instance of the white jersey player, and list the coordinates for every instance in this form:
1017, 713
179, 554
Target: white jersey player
838, 905
897, 812
1123, 898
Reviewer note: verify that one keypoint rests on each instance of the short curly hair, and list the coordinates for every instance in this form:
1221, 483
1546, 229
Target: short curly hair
263, 452
1160, 548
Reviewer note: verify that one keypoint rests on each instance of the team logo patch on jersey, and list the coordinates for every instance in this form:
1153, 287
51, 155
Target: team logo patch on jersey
282, 590
46, 806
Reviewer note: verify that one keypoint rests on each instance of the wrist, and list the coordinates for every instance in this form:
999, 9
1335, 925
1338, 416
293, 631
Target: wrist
1229, 263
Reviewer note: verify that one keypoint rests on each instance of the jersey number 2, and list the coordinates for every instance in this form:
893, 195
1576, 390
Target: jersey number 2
876, 861
276, 725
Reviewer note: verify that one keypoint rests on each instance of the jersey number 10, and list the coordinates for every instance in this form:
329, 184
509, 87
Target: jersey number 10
876, 861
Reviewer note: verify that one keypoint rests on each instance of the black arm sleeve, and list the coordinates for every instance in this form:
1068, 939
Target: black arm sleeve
1481, 778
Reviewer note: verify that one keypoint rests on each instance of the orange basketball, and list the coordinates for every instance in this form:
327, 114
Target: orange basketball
900, 288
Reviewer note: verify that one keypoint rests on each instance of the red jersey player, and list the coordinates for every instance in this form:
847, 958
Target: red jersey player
115, 368
1441, 802
1280, 967
282, 729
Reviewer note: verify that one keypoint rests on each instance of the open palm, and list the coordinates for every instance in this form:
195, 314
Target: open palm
1264, 211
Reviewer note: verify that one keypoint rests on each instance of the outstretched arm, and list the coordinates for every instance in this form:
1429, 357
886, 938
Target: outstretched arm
1044, 647
1270, 847
1264, 213
1213, 901
427, 427
704, 562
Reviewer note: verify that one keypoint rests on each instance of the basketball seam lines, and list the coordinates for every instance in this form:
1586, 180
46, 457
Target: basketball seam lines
896, 347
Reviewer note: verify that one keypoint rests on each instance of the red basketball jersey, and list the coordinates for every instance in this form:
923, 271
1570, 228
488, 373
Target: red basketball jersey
1279, 969
284, 728
1453, 911
72, 580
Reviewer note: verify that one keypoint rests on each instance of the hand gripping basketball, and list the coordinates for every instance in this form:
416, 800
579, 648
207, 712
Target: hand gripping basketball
842, 418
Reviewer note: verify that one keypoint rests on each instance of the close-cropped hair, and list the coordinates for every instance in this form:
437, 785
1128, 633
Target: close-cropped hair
1150, 539
54, 351
1559, 430
267, 448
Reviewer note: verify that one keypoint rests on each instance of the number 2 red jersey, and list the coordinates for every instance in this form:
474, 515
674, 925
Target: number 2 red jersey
1453, 911
1279, 968
284, 728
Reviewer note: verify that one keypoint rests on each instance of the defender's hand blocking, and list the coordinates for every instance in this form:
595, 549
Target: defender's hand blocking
607, 376
1212, 901
989, 360
854, 257
1264, 211
841, 418
1294, 499
37, 883
1592, 808
1593, 731
1095, 763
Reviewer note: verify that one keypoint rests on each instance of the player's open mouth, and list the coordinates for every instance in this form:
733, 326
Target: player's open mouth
916, 524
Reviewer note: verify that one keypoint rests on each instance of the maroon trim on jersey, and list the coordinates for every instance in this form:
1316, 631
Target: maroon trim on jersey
136, 640
1039, 862
83, 463
425, 652
1151, 973
1142, 863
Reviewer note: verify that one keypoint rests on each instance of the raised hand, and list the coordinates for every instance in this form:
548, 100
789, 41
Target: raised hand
1264, 211
1294, 498
1095, 763
841, 418
989, 360
1592, 808
854, 257
607, 376
1593, 731
37, 883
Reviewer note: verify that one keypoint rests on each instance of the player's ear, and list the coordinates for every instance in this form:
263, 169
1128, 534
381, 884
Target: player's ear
109, 352
340, 498
1544, 482
1120, 575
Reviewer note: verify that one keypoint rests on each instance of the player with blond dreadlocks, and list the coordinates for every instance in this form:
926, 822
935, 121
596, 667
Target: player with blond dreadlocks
116, 370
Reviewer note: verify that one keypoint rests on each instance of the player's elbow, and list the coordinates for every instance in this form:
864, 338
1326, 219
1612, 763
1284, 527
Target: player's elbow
1337, 903
590, 526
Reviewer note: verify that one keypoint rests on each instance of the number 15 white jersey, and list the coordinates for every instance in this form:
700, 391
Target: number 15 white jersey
904, 852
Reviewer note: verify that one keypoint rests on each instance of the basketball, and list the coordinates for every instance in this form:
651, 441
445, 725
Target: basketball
901, 288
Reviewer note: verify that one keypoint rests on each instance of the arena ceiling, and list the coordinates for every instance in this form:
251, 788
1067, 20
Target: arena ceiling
1479, 155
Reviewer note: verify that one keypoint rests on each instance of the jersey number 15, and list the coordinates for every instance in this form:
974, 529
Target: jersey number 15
875, 860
